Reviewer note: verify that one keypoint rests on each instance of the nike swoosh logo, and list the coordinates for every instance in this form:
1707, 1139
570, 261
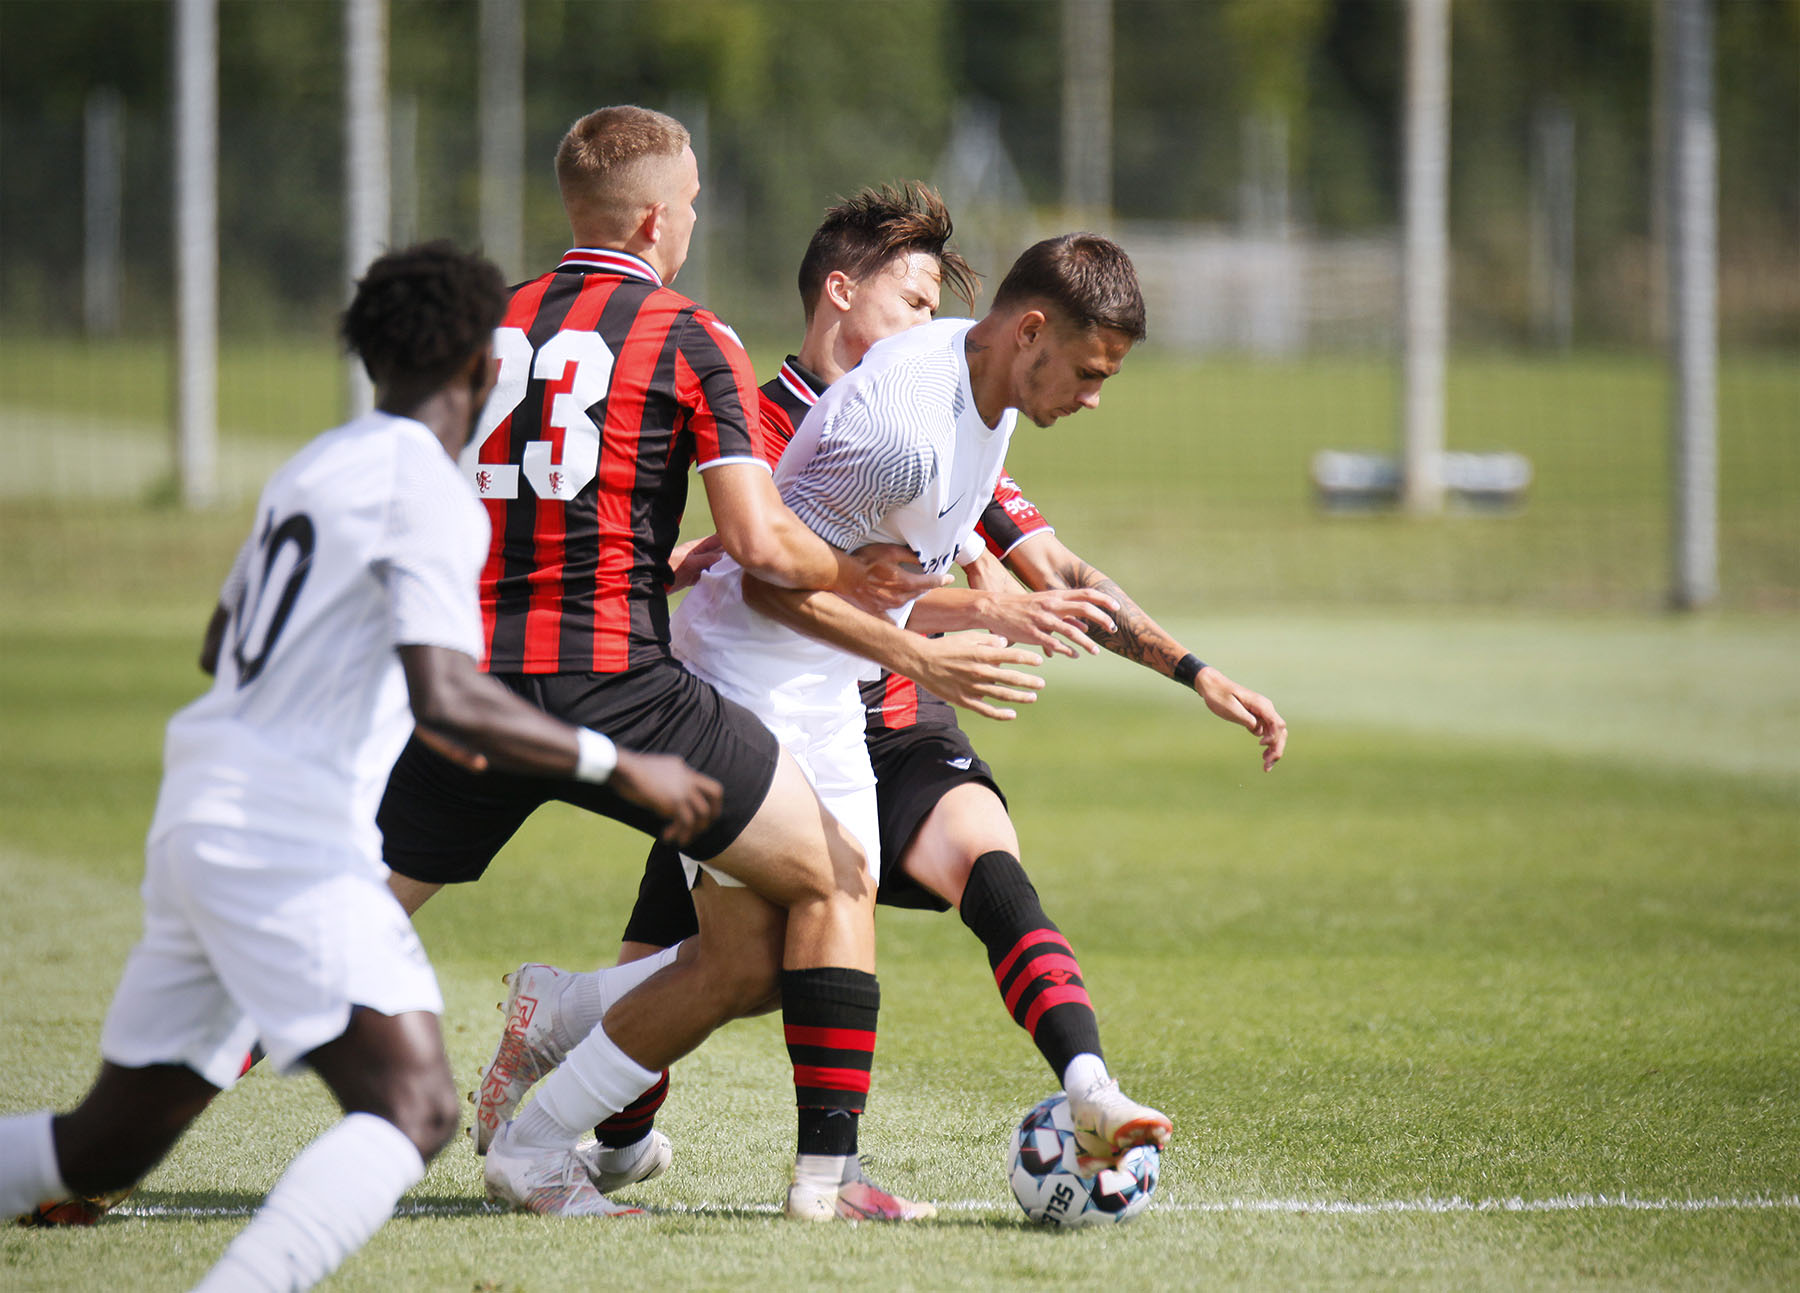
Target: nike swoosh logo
961, 765
946, 511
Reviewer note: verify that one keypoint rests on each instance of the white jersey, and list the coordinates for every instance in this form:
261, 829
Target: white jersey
895, 452
367, 540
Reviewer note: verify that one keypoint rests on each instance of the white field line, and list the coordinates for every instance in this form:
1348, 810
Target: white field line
1328, 1207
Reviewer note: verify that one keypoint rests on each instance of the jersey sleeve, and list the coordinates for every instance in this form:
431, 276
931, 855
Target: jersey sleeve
778, 428
857, 476
1010, 519
716, 389
429, 559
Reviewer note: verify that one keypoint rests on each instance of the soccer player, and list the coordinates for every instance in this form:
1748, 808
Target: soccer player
906, 449
946, 839
611, 384
266, 912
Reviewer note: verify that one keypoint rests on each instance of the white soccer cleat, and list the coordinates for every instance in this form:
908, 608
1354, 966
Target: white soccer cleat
614, 1169
527, 1049
855, 1198
1107, 1123
552, 1183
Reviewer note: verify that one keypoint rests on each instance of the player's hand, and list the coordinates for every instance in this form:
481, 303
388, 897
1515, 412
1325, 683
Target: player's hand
692, 559
1247, 709
1038, 618
884, 576
669, 788
972, 670
452, 750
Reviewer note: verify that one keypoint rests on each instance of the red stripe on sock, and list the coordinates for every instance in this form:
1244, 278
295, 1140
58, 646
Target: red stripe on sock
1032, 939
1054, 997
1037, 968
830, 1079
837, 1039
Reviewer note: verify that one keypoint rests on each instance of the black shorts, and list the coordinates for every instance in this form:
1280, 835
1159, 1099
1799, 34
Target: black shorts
914, 768
441, 824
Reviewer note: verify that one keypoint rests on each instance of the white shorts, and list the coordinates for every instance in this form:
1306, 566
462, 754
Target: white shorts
252, 937
823, 730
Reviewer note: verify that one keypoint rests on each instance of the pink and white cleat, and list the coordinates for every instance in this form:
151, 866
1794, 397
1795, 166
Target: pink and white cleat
855, 1198
552, 1183
527, 1049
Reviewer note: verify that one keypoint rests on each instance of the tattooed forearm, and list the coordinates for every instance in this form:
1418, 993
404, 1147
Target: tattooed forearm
1137, 637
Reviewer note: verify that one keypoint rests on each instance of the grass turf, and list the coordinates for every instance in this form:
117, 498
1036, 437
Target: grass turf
1442, 953
1515, 923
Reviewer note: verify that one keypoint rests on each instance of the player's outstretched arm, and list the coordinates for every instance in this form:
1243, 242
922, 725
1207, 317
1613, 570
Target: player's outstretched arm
1045, 562
969, 670
464, 713
770, 542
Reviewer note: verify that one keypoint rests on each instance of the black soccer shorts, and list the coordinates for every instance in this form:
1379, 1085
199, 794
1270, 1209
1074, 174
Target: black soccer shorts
442, 824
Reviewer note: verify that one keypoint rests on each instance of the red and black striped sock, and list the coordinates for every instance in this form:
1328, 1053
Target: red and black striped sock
1033, 964
632, 1123
828, 1015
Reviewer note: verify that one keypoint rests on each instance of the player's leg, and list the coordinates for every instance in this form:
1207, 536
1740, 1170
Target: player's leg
627, 1147
410, 893
122, 1128
727, 970
392, 1079
172, 1039
339, 984
965, 850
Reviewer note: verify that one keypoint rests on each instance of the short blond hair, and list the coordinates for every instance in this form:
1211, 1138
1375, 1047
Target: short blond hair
607, 167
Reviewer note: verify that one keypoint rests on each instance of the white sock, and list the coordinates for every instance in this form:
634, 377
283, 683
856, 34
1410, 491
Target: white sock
587, 997
328, 1203
28, 1171
821, 1171
595, 1080
1085, 1072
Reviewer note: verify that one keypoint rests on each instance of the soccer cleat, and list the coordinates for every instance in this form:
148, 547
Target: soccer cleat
527, 1049
552, 1183
1107, 1123
614, 1169
856, 1198
82, 1210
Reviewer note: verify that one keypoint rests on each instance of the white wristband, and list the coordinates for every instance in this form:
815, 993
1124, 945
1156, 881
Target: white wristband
595, 756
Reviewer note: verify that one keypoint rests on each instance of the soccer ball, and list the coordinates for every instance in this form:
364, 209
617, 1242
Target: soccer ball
1049, 1184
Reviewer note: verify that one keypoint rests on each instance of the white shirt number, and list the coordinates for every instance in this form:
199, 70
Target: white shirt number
585, 361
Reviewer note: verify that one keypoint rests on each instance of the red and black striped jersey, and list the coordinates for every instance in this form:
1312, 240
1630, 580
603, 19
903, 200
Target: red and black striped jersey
610, 387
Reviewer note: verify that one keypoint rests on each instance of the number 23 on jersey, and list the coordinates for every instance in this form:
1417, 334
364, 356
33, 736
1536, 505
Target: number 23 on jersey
578, 366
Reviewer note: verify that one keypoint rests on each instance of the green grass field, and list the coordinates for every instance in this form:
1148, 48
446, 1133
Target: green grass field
1493, 983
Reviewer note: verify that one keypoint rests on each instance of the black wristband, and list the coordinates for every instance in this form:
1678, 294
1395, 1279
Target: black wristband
1188, 668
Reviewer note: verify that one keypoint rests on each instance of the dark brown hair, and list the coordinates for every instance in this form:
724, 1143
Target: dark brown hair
863, 233
1088, 279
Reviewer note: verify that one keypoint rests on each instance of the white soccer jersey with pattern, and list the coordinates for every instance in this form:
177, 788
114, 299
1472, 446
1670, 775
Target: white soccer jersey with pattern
894, 452
367, 540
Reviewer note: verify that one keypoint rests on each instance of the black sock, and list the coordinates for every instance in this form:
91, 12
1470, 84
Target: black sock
632, 1123
828, 1016
1034, 966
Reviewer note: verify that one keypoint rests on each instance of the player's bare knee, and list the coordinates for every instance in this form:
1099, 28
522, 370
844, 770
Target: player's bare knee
425, 1110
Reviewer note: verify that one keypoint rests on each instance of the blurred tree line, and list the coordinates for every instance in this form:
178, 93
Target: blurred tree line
804, 100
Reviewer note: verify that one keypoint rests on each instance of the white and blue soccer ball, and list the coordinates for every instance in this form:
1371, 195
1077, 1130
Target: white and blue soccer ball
1047, 1180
